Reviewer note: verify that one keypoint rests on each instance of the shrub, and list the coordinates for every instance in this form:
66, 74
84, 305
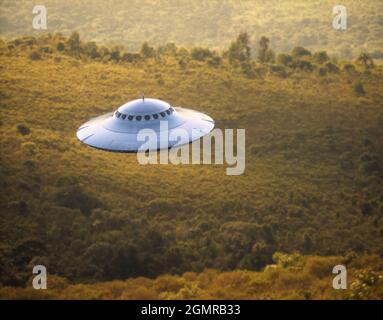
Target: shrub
320, 267
349, 68
365, 60
147, 51
359, 89
286, 260
214, 61
321, 57
57, 282
366, 208
75, 197
303, 65
46, 49
364, 285
35, 55
29, 41
322, 71
29, 148
299, 52
278, 70
331, 67
22, 129
377, 54
168, 49
91, 50
284, 59
60, 46
115, 54
345, 161
169, 283
130, 57
163, 206
18, 206
201, 54
247, 69
370, 167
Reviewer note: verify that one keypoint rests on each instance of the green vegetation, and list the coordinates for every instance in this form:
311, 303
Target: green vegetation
291, 277
312, 183
213, 23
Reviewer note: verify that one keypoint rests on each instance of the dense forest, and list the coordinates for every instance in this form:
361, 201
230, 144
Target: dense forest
212, 23
289, 277
312, 185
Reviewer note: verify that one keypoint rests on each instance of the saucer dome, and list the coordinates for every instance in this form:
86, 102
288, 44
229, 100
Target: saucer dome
118, 131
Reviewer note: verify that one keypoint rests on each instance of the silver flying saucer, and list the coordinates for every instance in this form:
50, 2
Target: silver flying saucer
121, 130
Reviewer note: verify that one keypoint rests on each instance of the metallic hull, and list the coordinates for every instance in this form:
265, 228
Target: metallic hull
111, 134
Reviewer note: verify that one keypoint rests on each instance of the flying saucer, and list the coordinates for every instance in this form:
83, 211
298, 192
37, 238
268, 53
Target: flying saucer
119, 131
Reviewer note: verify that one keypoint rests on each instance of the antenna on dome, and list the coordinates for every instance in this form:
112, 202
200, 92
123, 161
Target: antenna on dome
143, 97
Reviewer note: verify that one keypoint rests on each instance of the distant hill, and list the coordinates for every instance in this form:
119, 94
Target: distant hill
214, 23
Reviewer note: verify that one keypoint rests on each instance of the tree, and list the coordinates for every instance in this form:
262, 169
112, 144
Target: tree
239, 50
147, 51
74, 43
201, 54
365, 60
261, 254
168, 49
265, 54
101, 256
115, 53
91, 50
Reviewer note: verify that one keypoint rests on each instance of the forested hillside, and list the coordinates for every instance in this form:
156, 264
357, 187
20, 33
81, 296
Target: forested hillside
290, 277
212, 23
312, 185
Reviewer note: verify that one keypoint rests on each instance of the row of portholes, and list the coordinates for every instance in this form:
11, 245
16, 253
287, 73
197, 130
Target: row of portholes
147, 117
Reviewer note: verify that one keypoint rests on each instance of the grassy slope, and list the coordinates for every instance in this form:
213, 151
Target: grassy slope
303, 128
301, 131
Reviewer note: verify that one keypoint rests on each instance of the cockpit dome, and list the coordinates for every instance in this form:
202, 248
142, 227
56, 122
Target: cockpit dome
144, 106
144, 110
